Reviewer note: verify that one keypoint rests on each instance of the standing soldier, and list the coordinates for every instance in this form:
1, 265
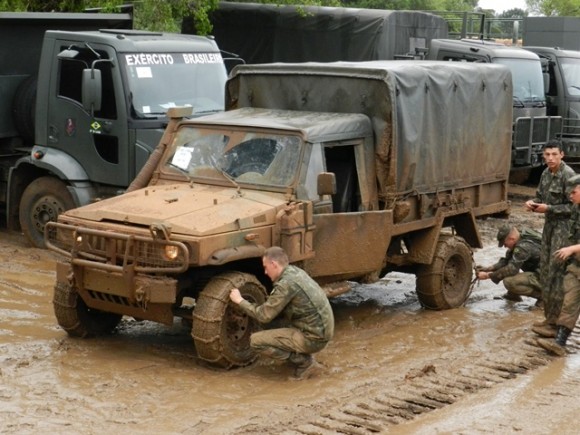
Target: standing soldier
571, 304
552, 201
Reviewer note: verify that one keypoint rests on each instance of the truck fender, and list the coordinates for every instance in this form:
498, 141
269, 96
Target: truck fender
422, 243
227, 255
55, 161
52, 163
466, 227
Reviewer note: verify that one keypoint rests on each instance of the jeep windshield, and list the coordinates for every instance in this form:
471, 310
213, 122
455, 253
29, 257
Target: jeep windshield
241, 157
160, 81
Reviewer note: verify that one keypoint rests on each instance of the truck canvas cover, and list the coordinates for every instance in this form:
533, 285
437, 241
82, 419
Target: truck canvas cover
419, 111
271, 33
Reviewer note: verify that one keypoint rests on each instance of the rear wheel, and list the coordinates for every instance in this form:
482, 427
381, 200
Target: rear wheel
445, 283
76, 318
42, 201
221, 331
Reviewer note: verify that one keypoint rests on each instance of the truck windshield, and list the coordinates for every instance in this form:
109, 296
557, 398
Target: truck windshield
160, 81
241, 157
527, 79
571, 71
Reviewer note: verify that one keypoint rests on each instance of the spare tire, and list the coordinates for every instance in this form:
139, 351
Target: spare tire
23, 106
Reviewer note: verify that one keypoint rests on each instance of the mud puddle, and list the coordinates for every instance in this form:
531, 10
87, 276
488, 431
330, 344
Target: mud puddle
392, 367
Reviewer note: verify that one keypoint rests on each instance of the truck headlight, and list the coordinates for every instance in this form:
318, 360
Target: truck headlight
170, 252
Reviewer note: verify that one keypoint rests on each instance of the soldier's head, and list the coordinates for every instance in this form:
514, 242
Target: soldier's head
274, 261
553, 154
508, 236
574, 189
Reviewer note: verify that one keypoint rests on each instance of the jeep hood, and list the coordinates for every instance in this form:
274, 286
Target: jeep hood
194, 210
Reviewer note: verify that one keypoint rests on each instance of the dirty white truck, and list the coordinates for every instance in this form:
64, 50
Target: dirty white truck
354, 169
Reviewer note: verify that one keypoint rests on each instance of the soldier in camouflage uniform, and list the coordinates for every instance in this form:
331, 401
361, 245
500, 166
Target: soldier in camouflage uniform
523, 254
571, 304
302, 302
551, 200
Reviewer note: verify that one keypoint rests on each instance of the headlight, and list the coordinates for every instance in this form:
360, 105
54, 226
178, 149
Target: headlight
170, 252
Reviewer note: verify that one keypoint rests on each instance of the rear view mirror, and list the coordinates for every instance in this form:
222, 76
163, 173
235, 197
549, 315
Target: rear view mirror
92, 88
326, 183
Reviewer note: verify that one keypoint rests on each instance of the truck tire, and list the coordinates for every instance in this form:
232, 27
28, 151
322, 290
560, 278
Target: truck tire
76, 318
23, 109
42, 201
220, 331
445, 283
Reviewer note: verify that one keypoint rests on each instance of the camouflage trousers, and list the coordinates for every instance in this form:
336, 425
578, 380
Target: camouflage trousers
524, 284
571, 304
280, 343
554, 237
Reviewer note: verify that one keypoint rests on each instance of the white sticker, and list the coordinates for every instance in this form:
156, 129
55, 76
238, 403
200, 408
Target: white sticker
182, 157
144, 72
146, 109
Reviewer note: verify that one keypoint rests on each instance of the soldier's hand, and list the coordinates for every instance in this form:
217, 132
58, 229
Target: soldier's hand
236, 296
564, 253
481, 275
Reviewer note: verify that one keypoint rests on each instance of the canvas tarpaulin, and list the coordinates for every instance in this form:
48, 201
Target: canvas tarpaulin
269, 33
429, 118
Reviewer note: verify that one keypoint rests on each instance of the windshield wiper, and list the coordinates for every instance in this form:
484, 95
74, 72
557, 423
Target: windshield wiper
518, 102
224, 174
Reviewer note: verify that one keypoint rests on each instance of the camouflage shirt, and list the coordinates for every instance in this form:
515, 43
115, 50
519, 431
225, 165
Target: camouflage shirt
301, 300
525, 255
552, 191
575, 232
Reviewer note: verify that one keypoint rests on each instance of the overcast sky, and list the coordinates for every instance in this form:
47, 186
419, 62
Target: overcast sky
502, 5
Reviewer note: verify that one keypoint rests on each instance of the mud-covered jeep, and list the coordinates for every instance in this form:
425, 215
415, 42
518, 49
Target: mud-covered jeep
354, 169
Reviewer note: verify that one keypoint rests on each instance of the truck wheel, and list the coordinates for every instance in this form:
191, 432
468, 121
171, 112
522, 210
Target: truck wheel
42, 201
221, 332
446, 281
76, 318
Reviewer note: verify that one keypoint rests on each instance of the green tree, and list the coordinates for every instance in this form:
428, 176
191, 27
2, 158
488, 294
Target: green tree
552, 8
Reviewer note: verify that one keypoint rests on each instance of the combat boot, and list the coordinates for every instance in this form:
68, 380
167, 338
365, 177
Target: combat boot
512, 297
303, 363
541, 323
558, 345
545, 331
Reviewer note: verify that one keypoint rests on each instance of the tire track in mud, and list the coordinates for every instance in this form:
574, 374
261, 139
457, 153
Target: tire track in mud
375, 408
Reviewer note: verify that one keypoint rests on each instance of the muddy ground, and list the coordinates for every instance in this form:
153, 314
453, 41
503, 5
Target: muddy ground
392, 367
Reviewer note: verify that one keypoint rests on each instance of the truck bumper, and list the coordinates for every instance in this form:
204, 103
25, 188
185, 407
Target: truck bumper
141, 297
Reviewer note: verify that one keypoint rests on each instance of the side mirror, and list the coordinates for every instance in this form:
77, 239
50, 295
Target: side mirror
326, 183
92, 89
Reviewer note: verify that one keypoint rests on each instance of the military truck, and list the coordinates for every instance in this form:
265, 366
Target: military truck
83, 108
532, 126
355, 169
563, 96
266, 33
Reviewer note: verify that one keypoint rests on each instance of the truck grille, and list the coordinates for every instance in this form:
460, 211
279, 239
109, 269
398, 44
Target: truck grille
115, 251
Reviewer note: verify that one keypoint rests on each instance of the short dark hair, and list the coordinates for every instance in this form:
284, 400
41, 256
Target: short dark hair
277, 254
554, 143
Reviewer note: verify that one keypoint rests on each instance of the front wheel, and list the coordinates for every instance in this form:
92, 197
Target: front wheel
42, 201
76, 318
445, 283
221, 331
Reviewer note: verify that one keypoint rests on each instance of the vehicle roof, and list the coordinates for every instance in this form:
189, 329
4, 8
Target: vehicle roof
313, 126
556, 51
131, 41
490, 48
